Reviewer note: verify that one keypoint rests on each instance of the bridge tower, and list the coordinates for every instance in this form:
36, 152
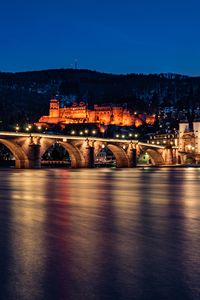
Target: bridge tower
196, 128
183, 128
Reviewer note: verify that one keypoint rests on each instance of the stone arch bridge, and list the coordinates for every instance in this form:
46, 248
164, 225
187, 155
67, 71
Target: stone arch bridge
29, 148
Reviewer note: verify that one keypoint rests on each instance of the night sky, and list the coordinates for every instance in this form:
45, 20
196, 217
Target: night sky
115, 36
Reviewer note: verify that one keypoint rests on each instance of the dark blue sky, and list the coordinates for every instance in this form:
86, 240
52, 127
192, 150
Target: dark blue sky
116, 36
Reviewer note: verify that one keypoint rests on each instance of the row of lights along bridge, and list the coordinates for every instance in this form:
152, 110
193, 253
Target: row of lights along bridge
86, 132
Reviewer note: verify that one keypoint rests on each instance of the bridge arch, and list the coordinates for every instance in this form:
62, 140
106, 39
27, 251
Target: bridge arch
118, 152
77, 159
155, 156
21, 159
120, 155
188, 158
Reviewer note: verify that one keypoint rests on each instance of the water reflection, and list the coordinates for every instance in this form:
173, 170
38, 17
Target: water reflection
99, 234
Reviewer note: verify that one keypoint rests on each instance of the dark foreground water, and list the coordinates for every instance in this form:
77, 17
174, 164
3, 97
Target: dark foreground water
100, 234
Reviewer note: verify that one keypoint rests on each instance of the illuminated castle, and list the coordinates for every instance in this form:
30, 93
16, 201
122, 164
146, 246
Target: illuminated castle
103, 115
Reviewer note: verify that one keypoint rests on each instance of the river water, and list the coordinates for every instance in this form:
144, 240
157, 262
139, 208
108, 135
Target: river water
100, 234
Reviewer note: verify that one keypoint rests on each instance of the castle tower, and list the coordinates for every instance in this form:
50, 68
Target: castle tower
183, 128
117, 115
54, 108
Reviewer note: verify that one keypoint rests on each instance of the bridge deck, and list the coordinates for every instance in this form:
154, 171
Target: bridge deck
69, 137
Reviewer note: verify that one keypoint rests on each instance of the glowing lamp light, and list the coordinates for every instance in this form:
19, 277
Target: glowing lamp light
94, 132
117, 135
86, 131
123, 136
103, 146
136, 135
27, 129
39, 127
17, 128
130, 134
81, 132
73, 132
124, 147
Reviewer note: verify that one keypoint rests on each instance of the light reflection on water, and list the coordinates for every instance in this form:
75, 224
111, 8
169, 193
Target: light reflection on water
100, 234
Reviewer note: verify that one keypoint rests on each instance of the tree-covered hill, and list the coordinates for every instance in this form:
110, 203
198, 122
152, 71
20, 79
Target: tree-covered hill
26, 95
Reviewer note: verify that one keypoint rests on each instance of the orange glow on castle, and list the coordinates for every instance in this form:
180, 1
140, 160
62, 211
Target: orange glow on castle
103, 115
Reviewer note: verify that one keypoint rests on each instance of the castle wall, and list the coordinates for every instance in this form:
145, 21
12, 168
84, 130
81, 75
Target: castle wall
104, 115
117, 115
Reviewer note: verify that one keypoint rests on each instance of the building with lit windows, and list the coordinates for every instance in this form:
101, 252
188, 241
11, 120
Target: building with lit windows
164, 139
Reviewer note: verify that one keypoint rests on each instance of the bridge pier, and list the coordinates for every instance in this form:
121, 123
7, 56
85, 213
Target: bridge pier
168, 156
21, 164
132, 156
34, 156
175, 156
89, 157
